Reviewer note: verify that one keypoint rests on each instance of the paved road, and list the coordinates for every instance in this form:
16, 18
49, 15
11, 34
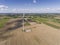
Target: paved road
41, 35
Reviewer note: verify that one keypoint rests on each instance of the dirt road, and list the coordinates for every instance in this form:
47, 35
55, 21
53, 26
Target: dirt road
41, 35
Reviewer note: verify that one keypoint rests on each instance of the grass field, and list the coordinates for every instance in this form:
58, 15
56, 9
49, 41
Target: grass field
48, 21
3, 22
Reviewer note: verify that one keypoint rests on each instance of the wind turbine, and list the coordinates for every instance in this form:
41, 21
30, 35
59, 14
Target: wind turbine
34, 1
23, 21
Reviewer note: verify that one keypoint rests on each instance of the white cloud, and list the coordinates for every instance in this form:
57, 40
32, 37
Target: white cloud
14, 9
3, 7
20, 10
34, 1
35, 10
49, 9
27, 10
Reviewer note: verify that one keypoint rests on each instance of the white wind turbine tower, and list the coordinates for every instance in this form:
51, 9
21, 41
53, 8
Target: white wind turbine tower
23, 21
29, 30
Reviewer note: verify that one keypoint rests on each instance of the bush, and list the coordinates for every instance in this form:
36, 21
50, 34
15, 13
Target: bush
27, 23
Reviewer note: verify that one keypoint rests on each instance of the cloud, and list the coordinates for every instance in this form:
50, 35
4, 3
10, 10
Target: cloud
37, 10
34, 1
49, 10
29, 10
14, 9
3, 7
21, 10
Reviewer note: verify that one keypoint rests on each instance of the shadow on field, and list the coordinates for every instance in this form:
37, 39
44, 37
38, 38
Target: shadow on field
18, 24
8, 28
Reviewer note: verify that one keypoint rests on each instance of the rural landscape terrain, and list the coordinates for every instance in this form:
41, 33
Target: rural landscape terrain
39, 29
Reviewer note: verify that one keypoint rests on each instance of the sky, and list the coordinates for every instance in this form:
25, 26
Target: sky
29, 6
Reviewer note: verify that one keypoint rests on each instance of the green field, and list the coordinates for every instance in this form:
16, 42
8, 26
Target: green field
47, 19
3, 22
38, 18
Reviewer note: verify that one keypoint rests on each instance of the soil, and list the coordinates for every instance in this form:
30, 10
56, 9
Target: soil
41, 35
